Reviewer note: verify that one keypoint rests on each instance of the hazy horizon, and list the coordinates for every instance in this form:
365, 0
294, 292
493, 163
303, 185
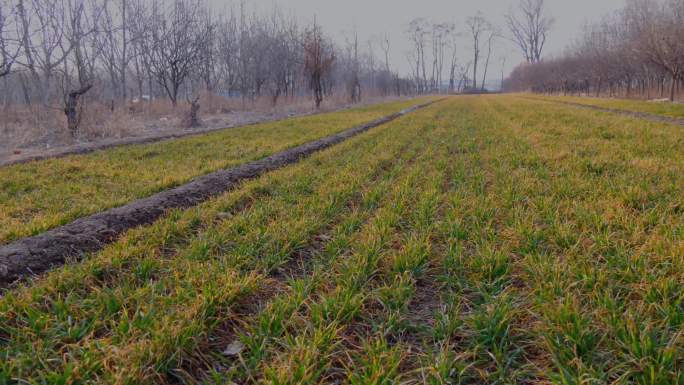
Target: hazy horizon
375, 18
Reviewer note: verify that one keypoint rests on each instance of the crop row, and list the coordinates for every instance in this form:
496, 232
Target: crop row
487, 239
40, 195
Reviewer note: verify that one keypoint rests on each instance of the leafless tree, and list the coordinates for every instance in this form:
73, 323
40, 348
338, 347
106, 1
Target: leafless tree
417, 32
493, 33
228, 58
78, 75
71, 55
453, 63
354, 81
370, 59
279, 41
659, 30
138, 17
117, 33
178, 36
193, 115
478, 27
9, 43
45, 43
639, 48
440, 39
503, 67
319, 57
529, 27
463, 77
385, 47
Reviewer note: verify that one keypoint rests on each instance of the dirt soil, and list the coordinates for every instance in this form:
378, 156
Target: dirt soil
32, 255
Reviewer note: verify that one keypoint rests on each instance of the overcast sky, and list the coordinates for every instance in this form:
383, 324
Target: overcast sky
374, 18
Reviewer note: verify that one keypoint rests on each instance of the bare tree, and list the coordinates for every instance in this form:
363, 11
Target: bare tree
319, 57
453, 63
638, 48
82, 58
385, 47
71, 55
45, 43
138, 33
493, 33
503, 67
354, 83
659, 30
529, 27
477, 27
463, 77
177, 38
193, 116
417, 31
9, 43
228, 58
279, 41
440, 34
115, 38
370, 59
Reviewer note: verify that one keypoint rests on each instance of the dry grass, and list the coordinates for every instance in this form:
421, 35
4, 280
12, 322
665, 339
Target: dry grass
34, 127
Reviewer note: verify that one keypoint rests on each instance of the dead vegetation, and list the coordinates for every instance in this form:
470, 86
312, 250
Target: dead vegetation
33, 129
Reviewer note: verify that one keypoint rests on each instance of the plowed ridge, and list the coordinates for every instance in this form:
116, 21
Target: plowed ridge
32, 255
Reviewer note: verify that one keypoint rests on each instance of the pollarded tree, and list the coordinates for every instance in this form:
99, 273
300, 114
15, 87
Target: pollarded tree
78, 74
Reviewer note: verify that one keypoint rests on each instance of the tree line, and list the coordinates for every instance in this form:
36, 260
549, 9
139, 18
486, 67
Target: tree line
435, 47
69, 53
638, 51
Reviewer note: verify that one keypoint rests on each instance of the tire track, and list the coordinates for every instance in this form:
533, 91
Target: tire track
633, 114
32, 255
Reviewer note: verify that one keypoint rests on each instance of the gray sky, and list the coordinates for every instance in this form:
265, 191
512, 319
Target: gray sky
378, 17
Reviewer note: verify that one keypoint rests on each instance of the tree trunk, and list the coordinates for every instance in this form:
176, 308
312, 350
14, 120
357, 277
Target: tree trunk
124, 51
475, 74
193, 119
71, 108
489, 54
318, 91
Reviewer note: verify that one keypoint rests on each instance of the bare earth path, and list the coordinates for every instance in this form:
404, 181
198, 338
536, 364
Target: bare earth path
33, 255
